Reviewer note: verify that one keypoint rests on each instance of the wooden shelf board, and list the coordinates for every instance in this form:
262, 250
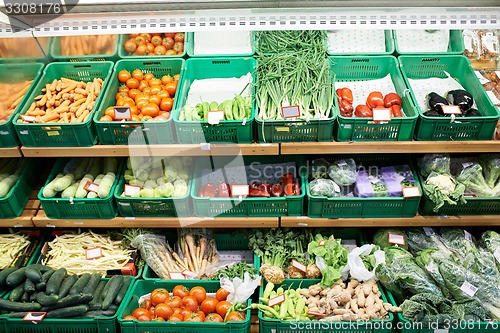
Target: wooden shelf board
154, 150
41, 220
417, 221
10, 152
390, 147
25, 220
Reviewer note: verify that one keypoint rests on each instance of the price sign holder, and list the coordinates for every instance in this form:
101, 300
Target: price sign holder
28, 119
411, 192
240, 190
292, 111
131, 190
215, 117
34, 316
91, 187
188, 273
276, 300
396, 239
122, 113
451, 109
382, 114
177, 276
93, 253
301, 267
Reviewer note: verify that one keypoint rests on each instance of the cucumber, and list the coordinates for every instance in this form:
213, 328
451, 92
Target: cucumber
29, 286
26, 297
40, 286
95, 306
46, 300
33, 274
33, 297
98, 292
18, 306
73, 311
108, 313
66, 285
92, 285
115, 284
80, 284
4, 274
46, 275
55, 281
104, 291
17, 293
127, 280
15, 314
16, 278
71, 300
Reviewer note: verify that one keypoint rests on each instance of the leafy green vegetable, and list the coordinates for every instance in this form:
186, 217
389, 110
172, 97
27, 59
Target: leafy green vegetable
491, 241
237, 270
491, 168
419, 239
443, 188
381, 238
438, 163
473, 180
425, 259
334, 255
343, 172
324, 188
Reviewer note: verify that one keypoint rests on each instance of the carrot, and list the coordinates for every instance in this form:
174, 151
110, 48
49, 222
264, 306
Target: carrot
49, 117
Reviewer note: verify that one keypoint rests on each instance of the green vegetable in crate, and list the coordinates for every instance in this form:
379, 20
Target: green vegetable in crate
334, 256
420, 239
237, 270
236, 109
473, 180
443, 188
280, 40
491, 241
9, 174
438, 163
10, 246
425, 259
491, 168
324, 188
381, 238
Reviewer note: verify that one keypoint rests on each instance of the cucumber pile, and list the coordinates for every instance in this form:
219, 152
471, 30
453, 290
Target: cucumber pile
41, 288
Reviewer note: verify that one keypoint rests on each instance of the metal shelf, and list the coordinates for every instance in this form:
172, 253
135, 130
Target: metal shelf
10, 152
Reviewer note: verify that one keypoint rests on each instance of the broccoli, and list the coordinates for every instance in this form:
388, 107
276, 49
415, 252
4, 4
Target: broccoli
439, 163
472, 178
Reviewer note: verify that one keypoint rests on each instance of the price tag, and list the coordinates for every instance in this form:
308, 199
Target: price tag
91, 187
214, 117
466, 165
93, 253
282, 129
189, 273
382, 114
321, 243
481, 78
451, 109
276, 300
260, 281
469, 289
397, 239
240, 190
317, 314
493, 97
301, 267
122, 113
468, 236
429, 231
292, 111
28, 119
441, 330
131, 190
411, 192
177, 276
34, 316
205, 146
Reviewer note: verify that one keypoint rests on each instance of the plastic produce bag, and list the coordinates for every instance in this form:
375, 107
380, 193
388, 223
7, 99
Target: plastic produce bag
153, 248
240, 290
319, 168
361, 257
368, 186
343, 172
324, 188
439, 163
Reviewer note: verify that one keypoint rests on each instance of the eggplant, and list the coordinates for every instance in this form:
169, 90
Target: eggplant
432, 113
472, 113
461, 98
435, 101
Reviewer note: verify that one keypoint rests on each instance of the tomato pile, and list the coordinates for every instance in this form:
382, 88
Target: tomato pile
148, 97
155, 44
186, 305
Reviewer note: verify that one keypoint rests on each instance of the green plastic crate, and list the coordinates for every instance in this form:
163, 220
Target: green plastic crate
389, 47
59, 134
251, 206
268, 325
137, 132
224, 242
365, 68
101, 324
228, 131
31, 253
145, 287
190, 49
125, 55
73, 208
12, 205
440, 128
55, 53
16, 73
354, 207
455, 45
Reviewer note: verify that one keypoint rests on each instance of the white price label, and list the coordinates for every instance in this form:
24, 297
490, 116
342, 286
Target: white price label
93, 253
240, 190
411, 192
494, 99
292, 111
205, 146
34, 316
451, 109
496, 254
466, 165
28, 119
276, 300
442, 330
429, 231
91, 187
382, 114
301, 267
122, 113
215, 117
131, 190
177, 276
397, 239
469, 289
468, 236
481, 78
189, 273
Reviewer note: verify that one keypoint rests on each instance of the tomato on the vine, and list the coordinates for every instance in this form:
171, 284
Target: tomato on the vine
209, 305
189, 302
159, 295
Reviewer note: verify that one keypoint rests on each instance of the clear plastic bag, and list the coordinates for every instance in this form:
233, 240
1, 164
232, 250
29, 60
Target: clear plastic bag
154, 251
357, 262
240, 290
439, 163
324, 188
197, 250
319, 168
343, 172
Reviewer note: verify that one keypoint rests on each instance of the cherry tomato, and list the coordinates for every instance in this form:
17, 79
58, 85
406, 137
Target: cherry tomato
140, 312
130, 46
214, 318
164, 311
129, 318
156, 40
137, 74
178, 47
147, 37
193, 317
159, 295
363, 111
179, 37
375, 100
144, 318
148, 76
142, 50
166, 79
123, 76
235, 316
170, 34
171, 88
209, 305
176, 317
189, 302
146, 304
132, 83
166, 104
174, 302
154, 82
160, 50
221, 294
168, 43
151, 110
222, 308
139, 40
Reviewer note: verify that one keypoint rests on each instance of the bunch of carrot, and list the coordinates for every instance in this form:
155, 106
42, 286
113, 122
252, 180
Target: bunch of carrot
11, 95
87, 45
64, 101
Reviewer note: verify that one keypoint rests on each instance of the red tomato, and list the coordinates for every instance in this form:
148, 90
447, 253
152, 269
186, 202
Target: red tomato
123, 76
176, 317
146, 304
150, 47
168, 43
222, 308
166, 79
139, 40
174, 302
154, 82
137, 74
170, 34
156, 40
140, 312
194, 317
132, 83
132, 93
184, 312
130, 46
155, 99
142, 49
189, 302
159, 295
214, 318
155, 88
160, 50
143, 84
179, 37
164, 311
177, 310
151, 110
158, 319
166, 104
235, 316
375, 100
147, 37
148, 76
171, 88
209, 305
178, 47
199, 293
129, 318
144, 318
221, 294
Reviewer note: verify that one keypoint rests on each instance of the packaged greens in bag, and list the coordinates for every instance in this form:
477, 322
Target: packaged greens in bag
368, 186
319, 168
324, 188
439, 163
343, 172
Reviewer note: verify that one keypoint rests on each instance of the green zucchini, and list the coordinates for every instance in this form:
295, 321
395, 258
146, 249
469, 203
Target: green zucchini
29, 286
127, 280
33, 274
73, 311
15, 314
46, 275
68, 301
16, 278
66, 285
115, 283
46, 300
4, 274
97, 293
26, 297
55, 281
80, 284
93, 282
40, 286
17, 293
18, 306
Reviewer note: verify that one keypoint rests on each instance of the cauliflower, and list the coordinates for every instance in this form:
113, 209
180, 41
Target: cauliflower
443, 182
442, 188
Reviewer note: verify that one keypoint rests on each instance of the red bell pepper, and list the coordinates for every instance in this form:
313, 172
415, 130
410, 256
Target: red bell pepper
375, 100
201, 191
296, 188
223, 190
209, 191
392, 99
277, 190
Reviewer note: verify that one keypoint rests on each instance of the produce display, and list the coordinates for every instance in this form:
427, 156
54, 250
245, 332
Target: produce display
87, 45
182, 304
223, 42
83, 178
38, 288
10, 247
157, 177
374, 100
10, 169
236, 109
64, 101
155, 44
11, 94
481, 44
460, 98
23, 47
146, 96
